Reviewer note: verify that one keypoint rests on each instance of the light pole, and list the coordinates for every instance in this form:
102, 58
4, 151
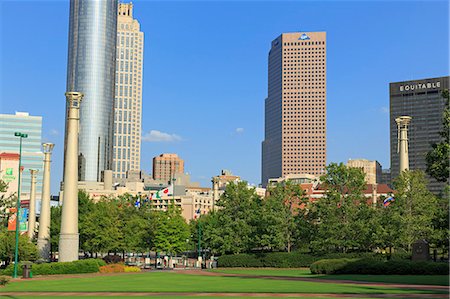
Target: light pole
32, 214
16, 252
43, 241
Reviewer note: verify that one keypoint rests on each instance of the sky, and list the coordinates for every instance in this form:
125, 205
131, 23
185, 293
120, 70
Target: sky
205, 73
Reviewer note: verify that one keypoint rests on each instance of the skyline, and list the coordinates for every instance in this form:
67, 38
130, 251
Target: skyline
196, 141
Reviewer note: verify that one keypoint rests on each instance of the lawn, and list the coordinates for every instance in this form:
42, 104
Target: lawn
178, 282
401, 279
153, 297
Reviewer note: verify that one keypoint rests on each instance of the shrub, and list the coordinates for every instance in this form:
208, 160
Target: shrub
3, 280
112, 259
378, 267
132, 269
75, 267
112, 268
271, 259
294, 259
239, 260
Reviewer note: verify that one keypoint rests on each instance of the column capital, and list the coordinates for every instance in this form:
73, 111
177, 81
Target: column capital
74, 98
48, 147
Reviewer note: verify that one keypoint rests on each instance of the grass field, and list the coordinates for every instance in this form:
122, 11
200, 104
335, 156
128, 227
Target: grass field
179, 282
153, 297
406, 279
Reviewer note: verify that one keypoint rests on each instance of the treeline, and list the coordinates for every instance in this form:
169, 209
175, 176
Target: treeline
341, 221
119, 225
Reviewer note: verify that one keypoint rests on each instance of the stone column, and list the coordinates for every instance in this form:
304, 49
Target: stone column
374, 194
32, 213
43, 241
402, 149
215, 182
69, 239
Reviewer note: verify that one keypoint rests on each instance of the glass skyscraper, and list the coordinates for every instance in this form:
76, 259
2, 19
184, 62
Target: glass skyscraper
32, 156
91, 70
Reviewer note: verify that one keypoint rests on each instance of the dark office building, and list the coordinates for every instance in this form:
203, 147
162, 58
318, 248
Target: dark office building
422, 100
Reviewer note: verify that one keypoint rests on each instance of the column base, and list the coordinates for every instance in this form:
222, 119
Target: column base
44, 248
68, 247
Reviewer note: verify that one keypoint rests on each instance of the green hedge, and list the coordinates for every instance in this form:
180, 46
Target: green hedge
378, 267
81, 266
290, 259
272, 259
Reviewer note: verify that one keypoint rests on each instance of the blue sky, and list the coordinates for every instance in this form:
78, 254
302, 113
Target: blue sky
205, 72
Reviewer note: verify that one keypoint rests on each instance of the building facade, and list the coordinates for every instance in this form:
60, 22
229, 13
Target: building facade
422, 100
32, 156
371, 169
91, 70
165, 166
128, 93
295, 109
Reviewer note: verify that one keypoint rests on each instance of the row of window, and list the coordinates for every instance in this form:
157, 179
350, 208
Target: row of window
304, 43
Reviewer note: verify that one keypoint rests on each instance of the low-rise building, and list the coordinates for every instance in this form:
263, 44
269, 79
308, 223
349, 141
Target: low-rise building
371, 169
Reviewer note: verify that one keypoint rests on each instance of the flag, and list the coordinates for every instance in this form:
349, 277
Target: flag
164, 192
388, 201
197, 213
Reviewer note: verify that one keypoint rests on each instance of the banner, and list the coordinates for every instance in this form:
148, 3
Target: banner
23, 220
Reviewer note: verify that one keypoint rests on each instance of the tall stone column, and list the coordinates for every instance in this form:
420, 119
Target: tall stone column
402, 148
69, 239
215, 182
32, 213
43, 241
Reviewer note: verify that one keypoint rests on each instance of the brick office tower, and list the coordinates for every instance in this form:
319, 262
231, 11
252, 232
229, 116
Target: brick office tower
295, 109
165, 166
128, 98
422, 100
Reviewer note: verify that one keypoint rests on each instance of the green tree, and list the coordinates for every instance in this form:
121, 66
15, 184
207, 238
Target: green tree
27, 250
102, 228
6, 202
235, 224
55, 227
416, 207
336, 213
277, 216
171, 233
438, 157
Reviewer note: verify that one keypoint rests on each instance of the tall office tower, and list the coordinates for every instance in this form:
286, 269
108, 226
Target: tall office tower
32, 156
165, 166
91, 70
128, 100
295, 109
422, 100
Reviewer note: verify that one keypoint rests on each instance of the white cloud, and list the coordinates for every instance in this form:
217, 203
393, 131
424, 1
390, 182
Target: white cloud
384, 110
54, 132
240, 130
157, 136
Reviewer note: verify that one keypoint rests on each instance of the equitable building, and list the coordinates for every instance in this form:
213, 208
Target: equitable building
422, 100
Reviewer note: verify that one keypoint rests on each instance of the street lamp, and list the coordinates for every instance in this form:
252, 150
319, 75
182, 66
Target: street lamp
16, 252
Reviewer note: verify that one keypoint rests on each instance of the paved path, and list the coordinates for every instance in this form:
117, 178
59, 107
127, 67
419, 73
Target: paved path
193, 294
294, 278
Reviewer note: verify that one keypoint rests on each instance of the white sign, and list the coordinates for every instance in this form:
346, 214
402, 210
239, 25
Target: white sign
420, 86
